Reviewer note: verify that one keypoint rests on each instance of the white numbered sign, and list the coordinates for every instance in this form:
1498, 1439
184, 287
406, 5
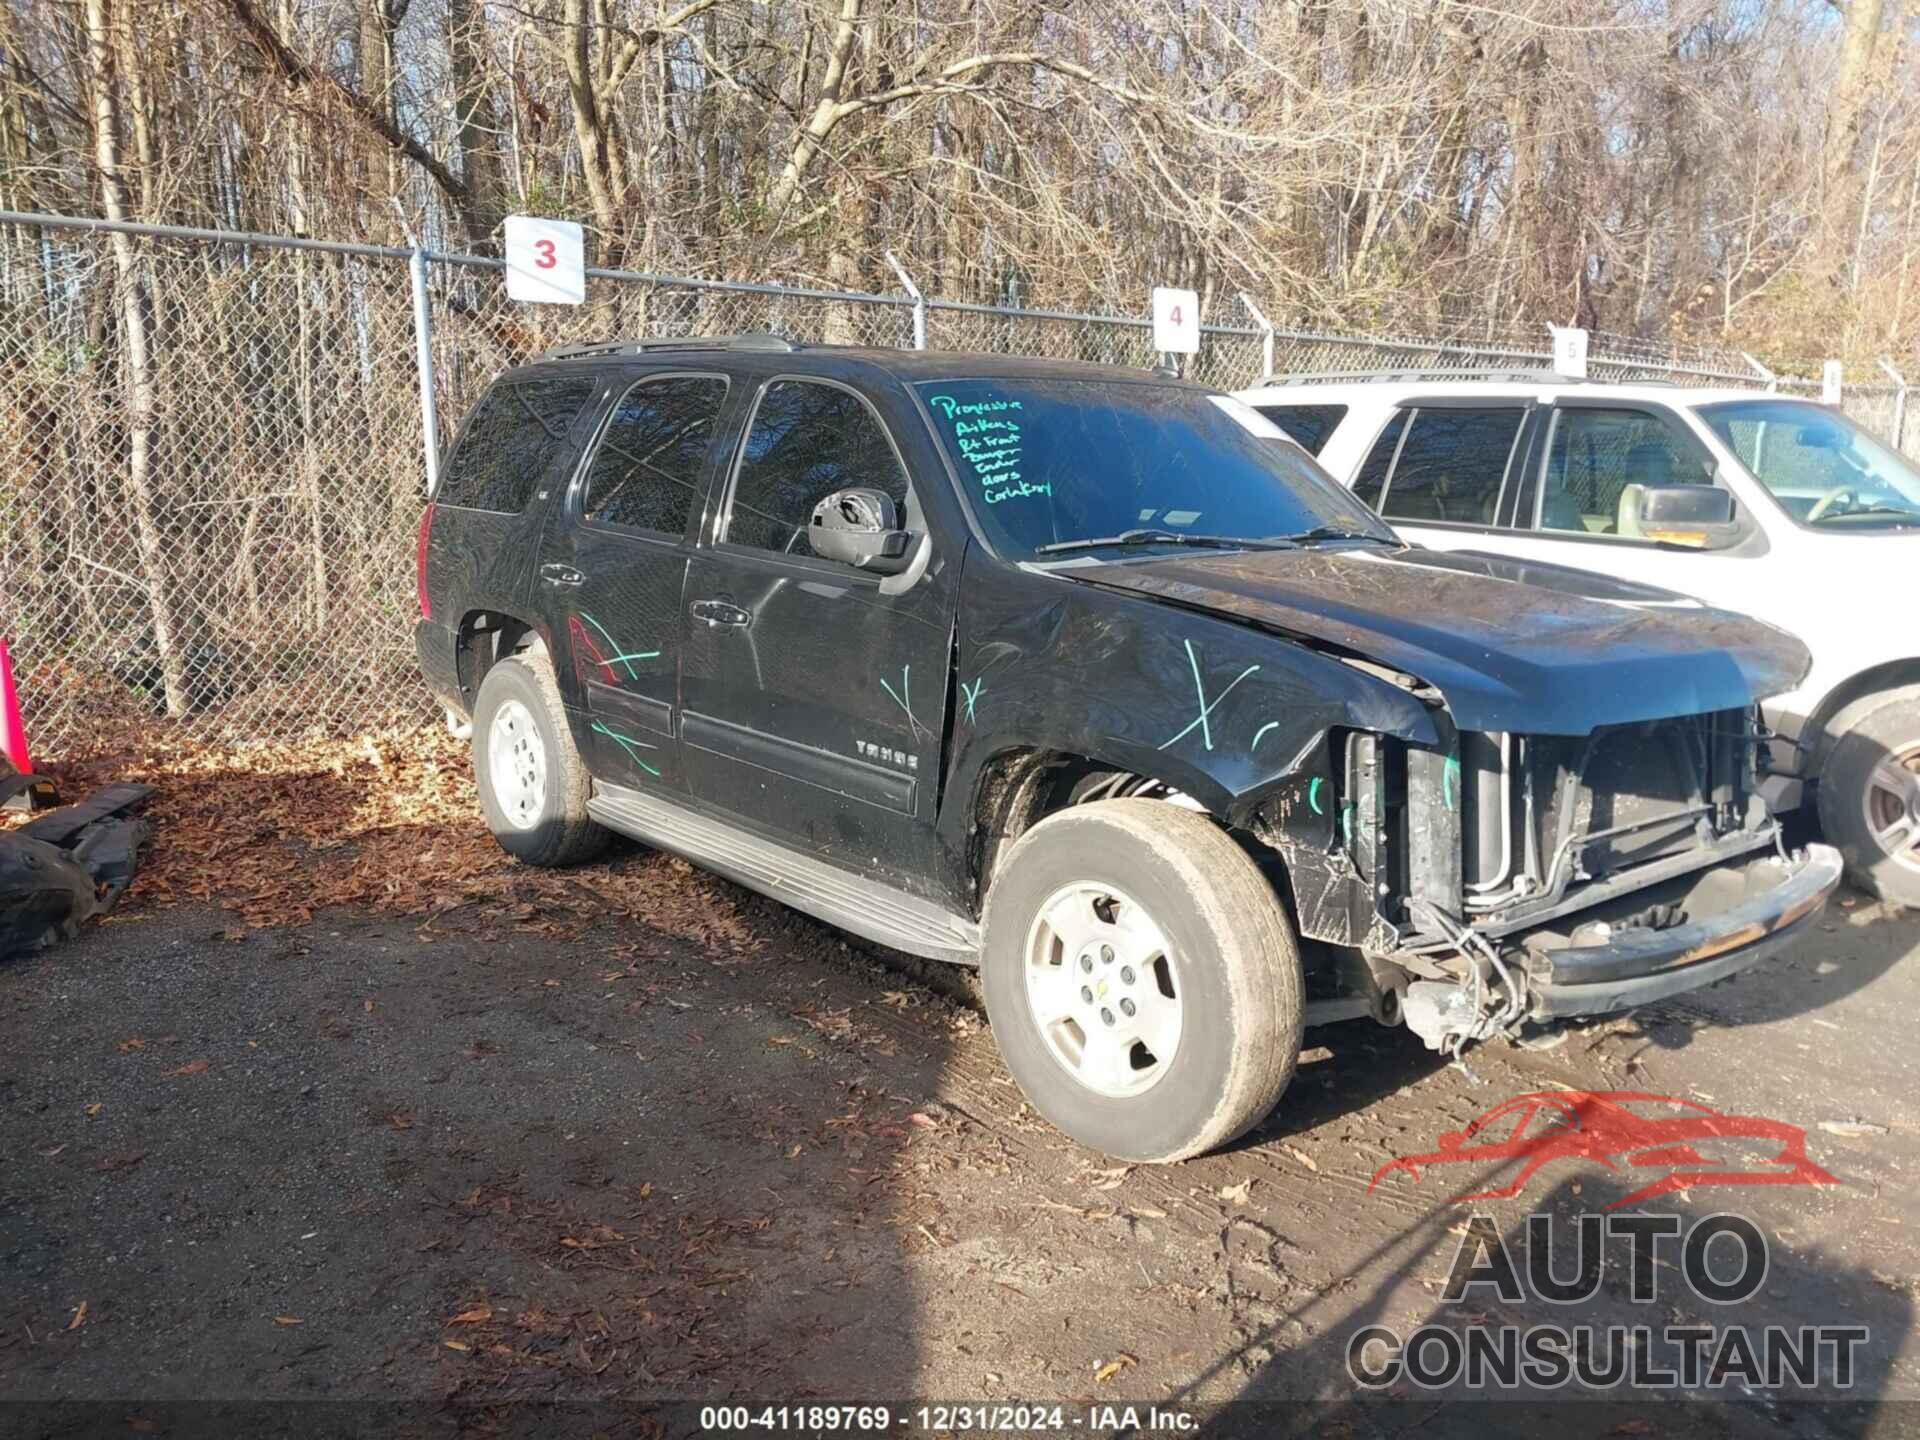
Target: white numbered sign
1176, 321
1570, 351
546, 260
1831, 374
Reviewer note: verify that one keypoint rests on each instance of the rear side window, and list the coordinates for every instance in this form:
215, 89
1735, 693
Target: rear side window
1308, 426
807, 441
648, 469
1452, 464
511, 439
1372, 478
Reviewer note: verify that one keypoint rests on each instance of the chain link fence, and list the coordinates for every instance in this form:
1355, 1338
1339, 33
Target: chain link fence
214, 454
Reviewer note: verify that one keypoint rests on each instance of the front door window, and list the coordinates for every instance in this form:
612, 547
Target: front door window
1600, 462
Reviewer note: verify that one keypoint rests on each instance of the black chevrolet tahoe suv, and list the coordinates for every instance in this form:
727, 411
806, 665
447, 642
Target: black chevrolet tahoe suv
1092, 679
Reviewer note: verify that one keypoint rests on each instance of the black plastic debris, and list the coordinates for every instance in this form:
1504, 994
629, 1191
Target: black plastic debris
25, 792
68, 865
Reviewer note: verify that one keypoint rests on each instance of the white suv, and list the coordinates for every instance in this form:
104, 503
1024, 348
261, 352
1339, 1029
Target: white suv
1752, 501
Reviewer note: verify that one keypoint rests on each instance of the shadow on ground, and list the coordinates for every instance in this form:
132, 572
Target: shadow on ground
1399, 1288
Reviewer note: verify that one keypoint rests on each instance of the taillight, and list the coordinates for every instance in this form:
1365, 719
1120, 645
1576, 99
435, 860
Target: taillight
420, 562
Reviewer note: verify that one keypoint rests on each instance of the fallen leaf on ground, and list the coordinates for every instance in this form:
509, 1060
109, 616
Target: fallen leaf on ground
95, 1109
1112, 1368
1304, 1158
79, 1317
127, 1047
1852, 1128
1239, 1194
479, 1315
192, 1067
288, 1320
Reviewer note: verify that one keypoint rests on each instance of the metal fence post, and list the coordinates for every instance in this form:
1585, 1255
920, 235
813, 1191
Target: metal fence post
1266, 335
423, 360
919, 302
1899, 435
422, 350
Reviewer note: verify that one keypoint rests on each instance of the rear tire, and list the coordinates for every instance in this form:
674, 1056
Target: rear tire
1869, 794
533, 784
1142, 979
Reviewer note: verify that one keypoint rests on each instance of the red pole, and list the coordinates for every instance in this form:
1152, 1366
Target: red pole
13, 733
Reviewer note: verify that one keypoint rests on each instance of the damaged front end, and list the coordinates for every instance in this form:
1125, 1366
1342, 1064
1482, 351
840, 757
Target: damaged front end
1494, 879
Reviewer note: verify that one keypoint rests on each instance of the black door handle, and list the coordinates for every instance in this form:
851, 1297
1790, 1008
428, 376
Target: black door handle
718, 612
561, 575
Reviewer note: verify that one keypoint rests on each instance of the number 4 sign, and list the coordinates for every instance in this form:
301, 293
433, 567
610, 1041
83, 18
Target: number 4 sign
1176, 321
546, 261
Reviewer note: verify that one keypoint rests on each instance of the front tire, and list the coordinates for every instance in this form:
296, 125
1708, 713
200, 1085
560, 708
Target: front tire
1142, 979
1869, 795
533, 784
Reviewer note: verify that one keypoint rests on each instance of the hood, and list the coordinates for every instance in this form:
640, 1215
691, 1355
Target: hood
1511, 645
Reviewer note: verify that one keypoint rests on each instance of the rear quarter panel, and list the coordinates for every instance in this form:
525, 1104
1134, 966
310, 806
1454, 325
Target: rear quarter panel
483, 560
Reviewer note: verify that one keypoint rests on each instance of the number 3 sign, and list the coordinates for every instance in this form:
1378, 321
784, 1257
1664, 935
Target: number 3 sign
545, 261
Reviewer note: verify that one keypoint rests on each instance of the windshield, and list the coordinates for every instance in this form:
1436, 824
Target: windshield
1046, 463
1823, 469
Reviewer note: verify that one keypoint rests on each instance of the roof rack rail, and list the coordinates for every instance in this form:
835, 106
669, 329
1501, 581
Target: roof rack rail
1490, 372
756, 340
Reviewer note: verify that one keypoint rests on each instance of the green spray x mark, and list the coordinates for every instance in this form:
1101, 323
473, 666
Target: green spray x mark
625, 659
904, 696
1207, 706
972, 693
627, 743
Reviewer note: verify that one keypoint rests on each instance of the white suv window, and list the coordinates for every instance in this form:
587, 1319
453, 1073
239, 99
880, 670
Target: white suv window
1599, 461
1452, 463
1308, 426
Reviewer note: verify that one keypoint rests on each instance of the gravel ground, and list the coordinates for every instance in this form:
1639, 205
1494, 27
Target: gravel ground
482, 1164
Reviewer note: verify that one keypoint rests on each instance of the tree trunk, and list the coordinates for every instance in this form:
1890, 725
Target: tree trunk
589, 124
1853, 83
474, 147
826, 115
139, 359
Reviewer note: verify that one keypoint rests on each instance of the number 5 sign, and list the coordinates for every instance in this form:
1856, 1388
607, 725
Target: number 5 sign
546, 261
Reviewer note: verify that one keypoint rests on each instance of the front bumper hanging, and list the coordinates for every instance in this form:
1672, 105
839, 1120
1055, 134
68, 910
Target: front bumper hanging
1638, 966
1617, 956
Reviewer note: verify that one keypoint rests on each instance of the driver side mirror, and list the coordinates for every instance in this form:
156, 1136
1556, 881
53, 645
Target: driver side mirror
860, 527
1698, 516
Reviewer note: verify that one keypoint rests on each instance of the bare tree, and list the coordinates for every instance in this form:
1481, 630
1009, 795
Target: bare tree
102, 54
